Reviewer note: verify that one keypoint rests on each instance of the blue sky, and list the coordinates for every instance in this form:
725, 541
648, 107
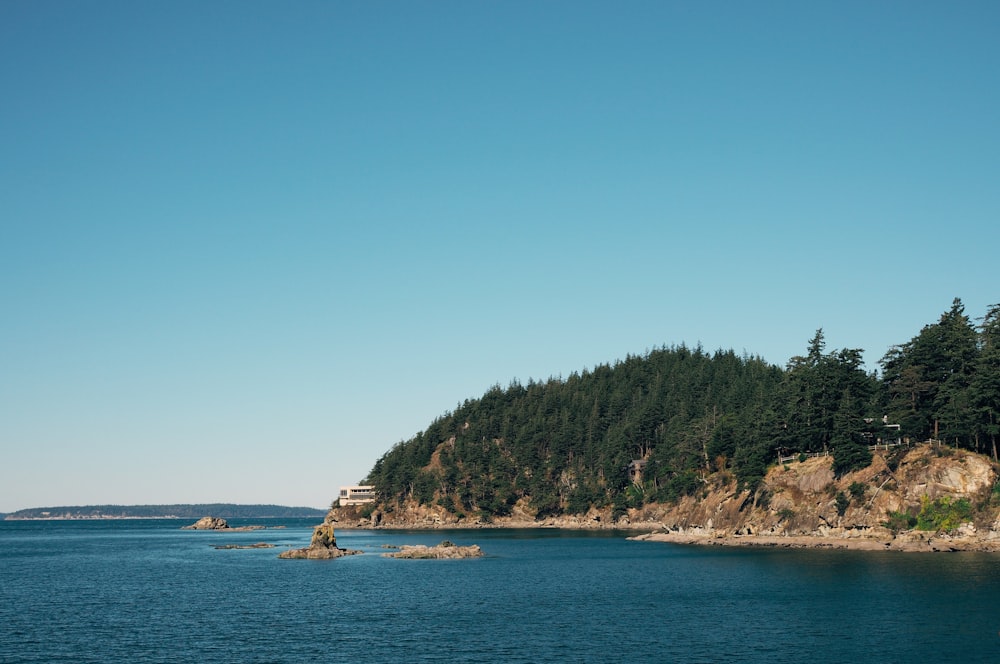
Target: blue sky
245, 247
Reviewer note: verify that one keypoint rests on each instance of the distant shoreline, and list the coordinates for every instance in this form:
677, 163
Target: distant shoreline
170, 517
82, 517
164, 511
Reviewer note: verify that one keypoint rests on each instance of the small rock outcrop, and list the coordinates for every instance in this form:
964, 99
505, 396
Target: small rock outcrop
218, 523
323, 546
444, 550
209, 523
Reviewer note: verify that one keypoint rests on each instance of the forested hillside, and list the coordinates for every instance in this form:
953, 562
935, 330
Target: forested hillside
651, 427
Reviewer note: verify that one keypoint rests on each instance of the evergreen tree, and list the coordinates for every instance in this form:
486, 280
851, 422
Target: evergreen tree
928, 378
985, 386
850, 450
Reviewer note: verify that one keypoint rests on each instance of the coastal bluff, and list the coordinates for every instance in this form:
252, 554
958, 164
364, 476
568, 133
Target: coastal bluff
924, 497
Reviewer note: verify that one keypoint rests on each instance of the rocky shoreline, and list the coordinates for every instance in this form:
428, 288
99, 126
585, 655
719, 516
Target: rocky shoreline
800, 504
907, 542
910, 541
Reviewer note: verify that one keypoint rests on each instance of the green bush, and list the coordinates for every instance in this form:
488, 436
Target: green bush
899, 521
943, 514
843, 502
619, 507
635, 495
857, 490
682, 484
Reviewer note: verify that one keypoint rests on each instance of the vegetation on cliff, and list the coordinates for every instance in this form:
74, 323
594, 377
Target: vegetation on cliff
652, 428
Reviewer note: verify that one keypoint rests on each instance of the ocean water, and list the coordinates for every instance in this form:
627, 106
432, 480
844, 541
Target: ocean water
146, 591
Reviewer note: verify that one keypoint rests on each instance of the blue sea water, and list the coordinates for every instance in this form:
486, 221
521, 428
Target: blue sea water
146, 591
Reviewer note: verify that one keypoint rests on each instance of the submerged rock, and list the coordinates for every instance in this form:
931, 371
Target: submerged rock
323, 546
258, 545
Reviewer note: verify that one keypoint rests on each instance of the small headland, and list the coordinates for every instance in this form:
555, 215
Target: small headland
918, 497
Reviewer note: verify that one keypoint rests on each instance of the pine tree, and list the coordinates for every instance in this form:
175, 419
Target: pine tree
985, 385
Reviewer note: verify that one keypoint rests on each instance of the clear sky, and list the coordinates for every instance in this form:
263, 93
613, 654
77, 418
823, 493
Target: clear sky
246, 247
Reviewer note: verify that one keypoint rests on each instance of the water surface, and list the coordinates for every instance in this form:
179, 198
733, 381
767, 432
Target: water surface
146, 591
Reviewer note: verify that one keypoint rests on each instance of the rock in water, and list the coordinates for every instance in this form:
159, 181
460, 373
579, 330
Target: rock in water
208, 523
323, 537
445, 549
322, 547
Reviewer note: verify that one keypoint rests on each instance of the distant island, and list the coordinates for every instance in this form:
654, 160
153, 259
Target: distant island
193, 511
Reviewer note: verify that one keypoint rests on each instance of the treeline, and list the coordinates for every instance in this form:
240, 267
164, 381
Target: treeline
677, 413
193, 511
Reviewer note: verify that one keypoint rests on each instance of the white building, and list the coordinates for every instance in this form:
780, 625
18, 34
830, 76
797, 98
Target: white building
357, 495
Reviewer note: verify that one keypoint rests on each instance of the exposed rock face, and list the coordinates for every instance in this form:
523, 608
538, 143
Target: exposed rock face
322, 547
799, 505
208, 523
444, 550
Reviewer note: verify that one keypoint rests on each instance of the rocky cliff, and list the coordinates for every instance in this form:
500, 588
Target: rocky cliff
952, 495
926, 497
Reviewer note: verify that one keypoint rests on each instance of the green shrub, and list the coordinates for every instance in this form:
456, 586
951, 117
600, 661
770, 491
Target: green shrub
899, 521
635, 495
786, 513
685, 483
843, 502
857, 490
943, 514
